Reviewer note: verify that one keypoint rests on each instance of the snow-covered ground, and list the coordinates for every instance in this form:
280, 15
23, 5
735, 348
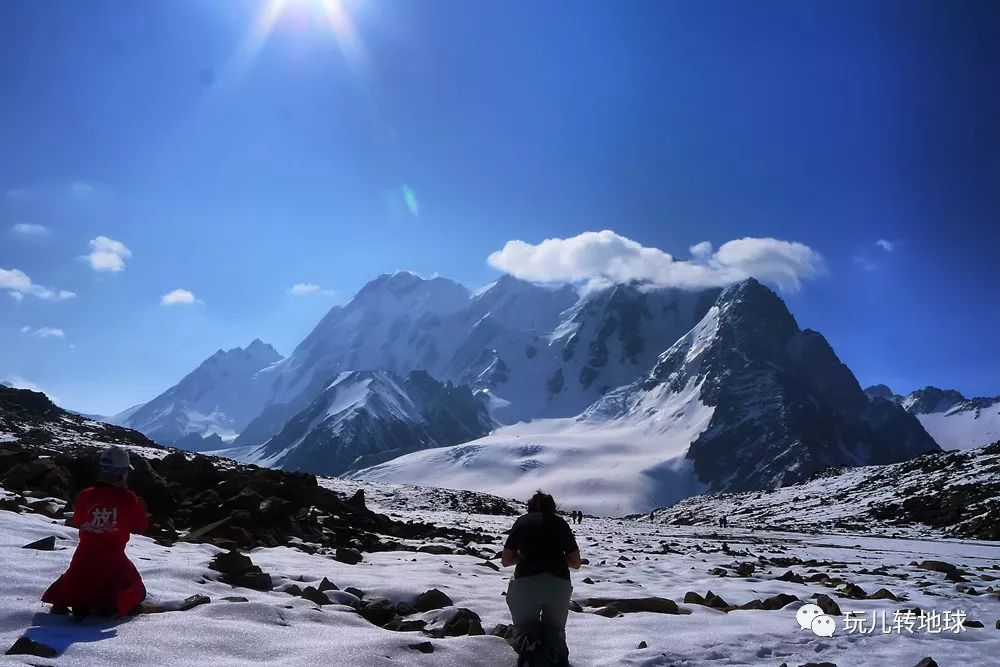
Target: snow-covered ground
964, 427
608, 468
627, 559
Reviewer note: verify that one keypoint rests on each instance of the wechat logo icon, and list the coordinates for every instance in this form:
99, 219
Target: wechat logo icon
811, 617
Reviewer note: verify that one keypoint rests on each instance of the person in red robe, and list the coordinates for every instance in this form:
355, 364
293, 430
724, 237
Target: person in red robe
101, 579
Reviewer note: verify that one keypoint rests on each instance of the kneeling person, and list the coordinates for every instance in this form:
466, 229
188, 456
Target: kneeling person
542, 545
101, 579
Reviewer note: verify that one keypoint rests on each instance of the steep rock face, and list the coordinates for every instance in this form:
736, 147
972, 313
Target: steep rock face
954, 421
532, 351
365, 417
784, 404
219, 397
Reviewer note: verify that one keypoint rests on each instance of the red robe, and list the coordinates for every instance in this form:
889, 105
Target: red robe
100, 576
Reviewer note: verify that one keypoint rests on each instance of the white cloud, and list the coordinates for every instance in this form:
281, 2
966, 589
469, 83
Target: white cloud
18, 284
178, 297
44, 332
26, 229
303, 289
107, 254
888, 246
607, 256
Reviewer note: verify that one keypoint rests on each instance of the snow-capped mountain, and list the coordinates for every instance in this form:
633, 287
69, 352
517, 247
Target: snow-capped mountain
219, 397
533, 351
744, 400
954, 421
365, 417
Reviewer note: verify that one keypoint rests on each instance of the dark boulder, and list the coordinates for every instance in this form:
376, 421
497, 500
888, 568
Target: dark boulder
44, 544
432, 599
25, 646
464, 622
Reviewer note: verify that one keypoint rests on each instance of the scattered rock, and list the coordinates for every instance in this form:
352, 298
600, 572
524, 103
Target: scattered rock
927, 662
973, 624
327, 585
194, 601
588, 580
611, 607
883, 594
436, 549
432, 599
828, 605
854, 591
235, 598
490, 564
25, 646
378, 612
315, 596
937, 566
44, 544
356, 592
348, 555
956, 576
779, 601
423, 647
464, 622
693, 598
745, 569
642, 645
238, 570
357, 500
792, 577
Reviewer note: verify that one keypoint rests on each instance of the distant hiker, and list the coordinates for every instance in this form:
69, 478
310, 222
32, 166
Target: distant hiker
652, 517
542, 545
101, 579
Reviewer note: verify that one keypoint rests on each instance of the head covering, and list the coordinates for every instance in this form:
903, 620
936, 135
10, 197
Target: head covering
114, 463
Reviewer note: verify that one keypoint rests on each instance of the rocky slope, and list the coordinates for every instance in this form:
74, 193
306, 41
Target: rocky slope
365, 417
219, 398
47, 453
954, 493
784, 404
954, 421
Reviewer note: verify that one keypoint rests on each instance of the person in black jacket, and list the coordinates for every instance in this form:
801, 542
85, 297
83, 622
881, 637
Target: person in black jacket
544, 549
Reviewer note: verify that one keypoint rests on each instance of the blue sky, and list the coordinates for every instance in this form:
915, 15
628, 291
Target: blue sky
431, 133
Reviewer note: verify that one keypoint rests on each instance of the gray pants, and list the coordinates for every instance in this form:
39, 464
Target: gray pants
540, 604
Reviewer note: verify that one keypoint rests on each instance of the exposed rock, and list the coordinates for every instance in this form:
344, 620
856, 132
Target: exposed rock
883, 594
315, 596
792, 577
358, 499
642, 645
378, 612
194, 601
828, 605
927, 662
44, 544
973, 624
464, 622
745, 569
356, 592
854, 591
613, 606
436, 549
327, 585
25, 646
937, 566
423, 647
238, 570
779, 601
348, 555
432, 599
235, 598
